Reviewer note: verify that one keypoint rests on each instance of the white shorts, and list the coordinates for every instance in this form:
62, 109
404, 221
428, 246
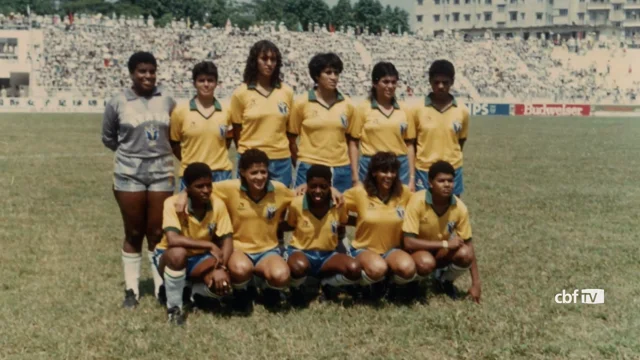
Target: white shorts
135, 174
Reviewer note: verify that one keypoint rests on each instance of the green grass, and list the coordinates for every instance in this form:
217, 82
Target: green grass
554, 205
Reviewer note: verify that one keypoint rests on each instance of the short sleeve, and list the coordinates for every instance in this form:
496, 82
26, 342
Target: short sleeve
350, 118
359, 116
176, 125
463, 228
170, 220
236, 108
351, 200
413, 214
221, 190
292, 216
223, 221
410, 134
465, 124
297, 115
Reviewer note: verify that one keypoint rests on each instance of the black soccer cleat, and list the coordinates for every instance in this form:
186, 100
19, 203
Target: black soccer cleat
271, 298
329, 293
130, 301
298, 298
242, 301
162, 296
176, 316
449, 289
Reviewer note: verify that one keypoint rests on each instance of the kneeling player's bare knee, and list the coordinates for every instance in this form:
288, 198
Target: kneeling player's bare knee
154, 235
353, 271
376, 269
175, 258
464, 256
278, 276
240, 271
298, 266
425, 264
405, 268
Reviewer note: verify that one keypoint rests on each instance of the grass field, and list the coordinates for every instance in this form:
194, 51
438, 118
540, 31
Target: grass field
554, 205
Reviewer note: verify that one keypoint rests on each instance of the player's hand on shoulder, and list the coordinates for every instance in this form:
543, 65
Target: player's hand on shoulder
301, 190
337, 197
181, 203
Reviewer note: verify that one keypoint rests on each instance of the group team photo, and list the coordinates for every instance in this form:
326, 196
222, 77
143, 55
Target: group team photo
312, 165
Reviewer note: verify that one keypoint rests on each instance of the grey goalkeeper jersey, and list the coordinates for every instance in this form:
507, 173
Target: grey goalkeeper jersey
137, 127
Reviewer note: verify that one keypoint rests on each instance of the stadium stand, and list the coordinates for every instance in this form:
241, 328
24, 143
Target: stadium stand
89, 57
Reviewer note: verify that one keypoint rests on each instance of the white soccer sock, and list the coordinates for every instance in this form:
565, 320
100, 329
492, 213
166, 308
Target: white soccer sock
174, 286
296, 283
366, 280
337, 281
399, 280
452, 272
131, 263
157, 279
203, 290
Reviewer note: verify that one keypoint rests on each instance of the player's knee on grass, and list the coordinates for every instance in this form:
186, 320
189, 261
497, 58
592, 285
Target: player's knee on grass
175, 258
463, 256
278, 275
353, 271
241, 270
375, 269
298, 265
425, 263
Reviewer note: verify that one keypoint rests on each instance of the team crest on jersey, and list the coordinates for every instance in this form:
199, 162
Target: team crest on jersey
451, 225
283, 108
212, 229
372, 205
343, 120
457, 126
152, 133
403, 128
223, 131
271, 212
400, 212
334, 227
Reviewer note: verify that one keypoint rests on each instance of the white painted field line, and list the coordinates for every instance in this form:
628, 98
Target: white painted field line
54, 156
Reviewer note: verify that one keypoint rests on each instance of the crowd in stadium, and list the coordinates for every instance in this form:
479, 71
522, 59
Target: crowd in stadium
86, 57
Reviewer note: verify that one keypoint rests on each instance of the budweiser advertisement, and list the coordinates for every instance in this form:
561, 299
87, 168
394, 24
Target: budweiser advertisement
552, 110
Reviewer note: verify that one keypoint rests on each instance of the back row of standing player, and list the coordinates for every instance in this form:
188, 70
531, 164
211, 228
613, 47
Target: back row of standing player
144, 127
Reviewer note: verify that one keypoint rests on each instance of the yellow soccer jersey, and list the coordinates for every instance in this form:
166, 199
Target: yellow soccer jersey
263, 119
216, 222
311, 233
255, 224
322, 130
379, 225
377, 132
439, 133
421, 220
202, 139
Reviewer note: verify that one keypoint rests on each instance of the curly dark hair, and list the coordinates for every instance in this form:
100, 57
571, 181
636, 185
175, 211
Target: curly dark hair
383, 161
251, 68
379, 71
141, 57
323, 61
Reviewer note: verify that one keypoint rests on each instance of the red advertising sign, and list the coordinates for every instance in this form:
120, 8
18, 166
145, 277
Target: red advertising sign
552, 110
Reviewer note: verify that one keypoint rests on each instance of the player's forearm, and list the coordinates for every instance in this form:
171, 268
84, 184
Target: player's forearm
176, 149
412, 244
354, 157
411, 157
475, 274
227, 249
237, 129
293, 148
177, 240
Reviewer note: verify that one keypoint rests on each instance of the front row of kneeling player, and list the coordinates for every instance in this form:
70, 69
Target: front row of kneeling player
222, 237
